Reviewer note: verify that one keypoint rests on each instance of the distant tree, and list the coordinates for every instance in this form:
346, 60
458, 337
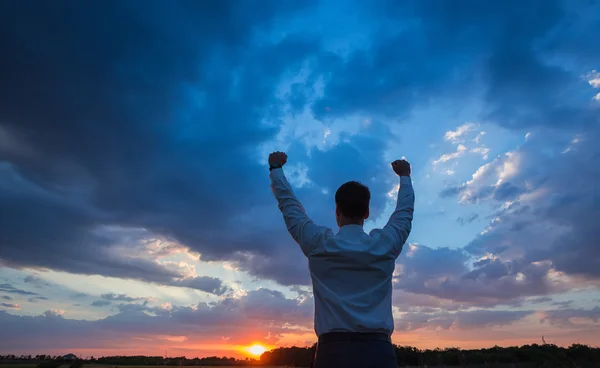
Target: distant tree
546, 355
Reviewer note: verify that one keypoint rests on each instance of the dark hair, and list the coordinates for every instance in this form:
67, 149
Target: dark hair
352, 198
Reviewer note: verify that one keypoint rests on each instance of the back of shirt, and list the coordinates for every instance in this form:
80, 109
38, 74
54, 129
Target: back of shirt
351, 271
352, 283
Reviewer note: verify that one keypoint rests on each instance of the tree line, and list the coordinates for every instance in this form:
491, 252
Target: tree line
545, 355
55, 361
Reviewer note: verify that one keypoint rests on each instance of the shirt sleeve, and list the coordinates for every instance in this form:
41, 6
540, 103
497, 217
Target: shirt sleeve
304, 231
400, 223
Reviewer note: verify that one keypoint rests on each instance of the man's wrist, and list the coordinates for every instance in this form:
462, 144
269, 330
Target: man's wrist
274, 166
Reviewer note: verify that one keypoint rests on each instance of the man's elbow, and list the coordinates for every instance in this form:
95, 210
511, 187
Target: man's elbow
296, 230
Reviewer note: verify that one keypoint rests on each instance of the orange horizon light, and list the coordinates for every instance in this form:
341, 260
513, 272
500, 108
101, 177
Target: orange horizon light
255, 349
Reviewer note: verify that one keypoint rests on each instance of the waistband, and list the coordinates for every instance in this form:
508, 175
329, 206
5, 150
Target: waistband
354, 336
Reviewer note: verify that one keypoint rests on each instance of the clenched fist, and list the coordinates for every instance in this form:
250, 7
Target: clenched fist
277, 159
401, 167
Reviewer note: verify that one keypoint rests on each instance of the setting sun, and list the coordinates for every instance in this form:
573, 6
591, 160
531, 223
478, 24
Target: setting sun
256, 349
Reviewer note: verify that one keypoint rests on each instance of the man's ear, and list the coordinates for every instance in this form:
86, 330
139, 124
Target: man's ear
367, 215
337, 211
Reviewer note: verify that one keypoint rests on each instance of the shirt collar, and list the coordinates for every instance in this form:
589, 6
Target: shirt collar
351, 229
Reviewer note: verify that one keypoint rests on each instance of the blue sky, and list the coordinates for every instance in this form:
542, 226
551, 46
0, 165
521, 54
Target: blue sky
134, 188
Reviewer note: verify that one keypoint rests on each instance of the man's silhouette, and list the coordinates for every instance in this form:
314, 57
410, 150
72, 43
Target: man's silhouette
351, 270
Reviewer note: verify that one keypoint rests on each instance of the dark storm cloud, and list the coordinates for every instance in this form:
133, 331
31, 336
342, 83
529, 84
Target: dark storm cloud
133, 116
113, 114
443, 49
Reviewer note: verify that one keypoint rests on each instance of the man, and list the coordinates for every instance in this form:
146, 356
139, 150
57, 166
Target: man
351, 271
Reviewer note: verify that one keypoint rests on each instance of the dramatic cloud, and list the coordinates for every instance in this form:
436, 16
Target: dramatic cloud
462, 220
7, 288
256, 314
205, 283
101, 303
459, 320
35, 299
36, 281
133, 142
565, 317
543, 299
157, 116
539, 215
119, 297
10, 306
452, 275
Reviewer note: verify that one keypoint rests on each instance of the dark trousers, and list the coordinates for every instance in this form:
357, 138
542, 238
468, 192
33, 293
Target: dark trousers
355, 350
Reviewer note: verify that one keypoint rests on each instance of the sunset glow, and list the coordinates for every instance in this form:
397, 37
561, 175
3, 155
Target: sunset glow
256, 350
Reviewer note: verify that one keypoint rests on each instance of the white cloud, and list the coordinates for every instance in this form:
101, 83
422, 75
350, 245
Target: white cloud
479, 136
460, 151
572, 144
462, 134
593, 79
509, 168
483, 151
455, 136
298, 175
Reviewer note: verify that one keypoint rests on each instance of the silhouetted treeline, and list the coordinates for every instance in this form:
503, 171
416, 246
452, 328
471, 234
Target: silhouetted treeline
48, 361
547, 355
177, 361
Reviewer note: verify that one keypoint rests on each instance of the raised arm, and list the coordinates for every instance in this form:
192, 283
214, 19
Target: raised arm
305, 232
400, 223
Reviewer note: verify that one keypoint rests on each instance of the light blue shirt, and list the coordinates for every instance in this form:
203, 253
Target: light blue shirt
351, 271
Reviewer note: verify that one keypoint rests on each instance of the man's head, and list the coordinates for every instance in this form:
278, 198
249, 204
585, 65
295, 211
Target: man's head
352, 204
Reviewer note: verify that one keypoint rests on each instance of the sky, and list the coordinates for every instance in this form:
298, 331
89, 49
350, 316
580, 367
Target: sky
136, 212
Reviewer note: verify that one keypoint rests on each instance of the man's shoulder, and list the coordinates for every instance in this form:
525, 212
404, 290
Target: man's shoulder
363, 242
